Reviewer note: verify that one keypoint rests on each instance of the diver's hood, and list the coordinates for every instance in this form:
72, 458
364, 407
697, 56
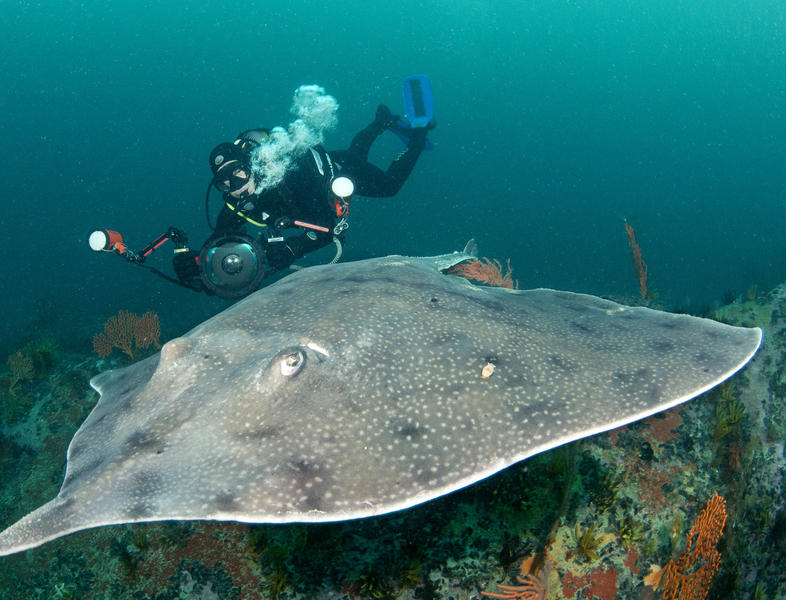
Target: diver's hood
239, 150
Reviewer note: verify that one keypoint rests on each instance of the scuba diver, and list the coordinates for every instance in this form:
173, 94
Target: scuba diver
286, 184
308, 198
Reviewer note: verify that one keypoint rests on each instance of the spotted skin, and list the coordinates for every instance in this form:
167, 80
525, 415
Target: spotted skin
353, 390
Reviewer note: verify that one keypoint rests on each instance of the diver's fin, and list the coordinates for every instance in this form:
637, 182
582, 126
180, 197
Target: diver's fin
403, 131
418, 100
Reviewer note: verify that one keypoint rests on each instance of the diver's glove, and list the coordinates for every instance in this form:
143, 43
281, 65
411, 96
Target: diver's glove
279, 255
186, 267
384, 118
417, 136
178, 237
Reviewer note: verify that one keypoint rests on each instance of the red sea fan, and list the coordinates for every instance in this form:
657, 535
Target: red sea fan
485, 271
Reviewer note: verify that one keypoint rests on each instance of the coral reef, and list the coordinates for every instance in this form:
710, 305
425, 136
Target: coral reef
582, 521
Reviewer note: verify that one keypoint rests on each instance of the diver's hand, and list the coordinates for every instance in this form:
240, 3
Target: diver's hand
178, 237
417, 136
279, 255
384, 118
186, 267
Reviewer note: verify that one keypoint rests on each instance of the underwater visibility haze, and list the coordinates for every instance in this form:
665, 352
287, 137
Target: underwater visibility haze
626, 149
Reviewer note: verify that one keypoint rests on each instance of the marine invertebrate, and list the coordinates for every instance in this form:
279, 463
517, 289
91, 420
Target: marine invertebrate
530, 589
147, 331
639, 266
533, 586
728, 412
600, 584
128, 332
276, 582
605, 488
64, 592
43, 354
21, 365
689, 577
588, 542
486, 271
631, 532
373, 585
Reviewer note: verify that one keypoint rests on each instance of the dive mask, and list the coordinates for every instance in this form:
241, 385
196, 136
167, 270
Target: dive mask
231, 178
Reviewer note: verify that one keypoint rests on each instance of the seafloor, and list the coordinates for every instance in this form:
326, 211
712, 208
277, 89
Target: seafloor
597, 516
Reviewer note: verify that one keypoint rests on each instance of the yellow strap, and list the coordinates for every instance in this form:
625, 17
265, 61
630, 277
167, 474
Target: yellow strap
240, 214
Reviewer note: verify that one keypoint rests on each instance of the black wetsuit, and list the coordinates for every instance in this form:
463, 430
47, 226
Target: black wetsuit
305, 195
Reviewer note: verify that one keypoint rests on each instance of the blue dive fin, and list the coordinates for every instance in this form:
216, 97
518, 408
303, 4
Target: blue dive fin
402, 129
418, 100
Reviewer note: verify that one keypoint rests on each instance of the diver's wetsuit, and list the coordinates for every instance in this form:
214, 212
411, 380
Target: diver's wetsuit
305, 194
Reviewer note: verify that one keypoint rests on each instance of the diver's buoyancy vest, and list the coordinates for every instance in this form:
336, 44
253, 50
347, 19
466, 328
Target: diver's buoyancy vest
285, 203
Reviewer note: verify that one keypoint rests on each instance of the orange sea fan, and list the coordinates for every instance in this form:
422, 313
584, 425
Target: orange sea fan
147, 330
485, 271
129, 332
639, 266
531, 589
533, 586
689, 576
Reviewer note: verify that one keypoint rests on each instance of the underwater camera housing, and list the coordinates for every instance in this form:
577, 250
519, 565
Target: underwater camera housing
232, 265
